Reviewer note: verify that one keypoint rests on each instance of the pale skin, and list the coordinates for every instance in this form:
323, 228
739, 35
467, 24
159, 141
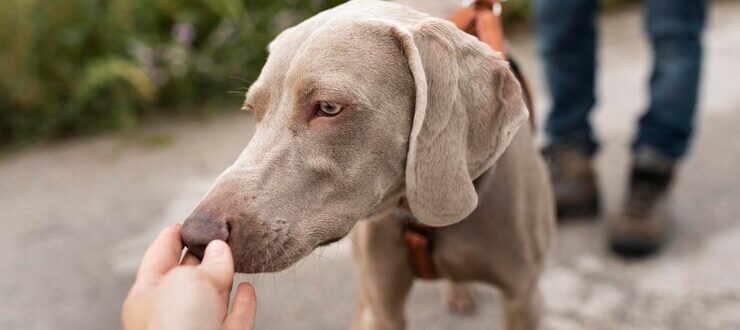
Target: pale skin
174, 293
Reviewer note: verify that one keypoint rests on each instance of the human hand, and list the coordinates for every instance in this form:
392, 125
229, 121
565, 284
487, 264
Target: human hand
188, 295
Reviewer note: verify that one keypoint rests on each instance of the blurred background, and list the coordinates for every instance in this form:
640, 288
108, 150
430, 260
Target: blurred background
115, 117
82, 66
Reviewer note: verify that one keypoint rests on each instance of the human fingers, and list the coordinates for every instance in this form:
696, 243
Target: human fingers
161, 256
218, 264
189, 260
243, 309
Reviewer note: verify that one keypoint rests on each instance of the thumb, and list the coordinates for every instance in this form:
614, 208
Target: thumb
218, 264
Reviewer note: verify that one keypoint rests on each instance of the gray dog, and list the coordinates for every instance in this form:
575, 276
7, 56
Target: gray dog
362, 106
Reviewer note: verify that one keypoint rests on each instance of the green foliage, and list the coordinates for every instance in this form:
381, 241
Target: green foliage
78, 66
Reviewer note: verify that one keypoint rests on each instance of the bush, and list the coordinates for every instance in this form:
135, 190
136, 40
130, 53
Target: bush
78, 66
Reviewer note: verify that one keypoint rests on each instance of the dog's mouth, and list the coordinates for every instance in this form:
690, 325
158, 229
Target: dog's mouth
331, 240
277, 261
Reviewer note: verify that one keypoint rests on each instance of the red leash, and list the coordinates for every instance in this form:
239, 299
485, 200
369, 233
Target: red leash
482, 18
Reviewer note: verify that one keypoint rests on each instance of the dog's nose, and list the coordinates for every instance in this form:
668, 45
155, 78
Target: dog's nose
199, 230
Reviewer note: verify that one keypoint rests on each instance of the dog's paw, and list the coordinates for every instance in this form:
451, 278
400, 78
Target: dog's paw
459, 298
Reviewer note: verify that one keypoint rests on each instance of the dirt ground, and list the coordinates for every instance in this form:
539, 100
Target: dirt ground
77, 215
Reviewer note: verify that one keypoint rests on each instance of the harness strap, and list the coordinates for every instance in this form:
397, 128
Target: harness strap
419, 241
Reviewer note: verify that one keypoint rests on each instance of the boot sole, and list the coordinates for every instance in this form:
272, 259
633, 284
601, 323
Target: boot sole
588, 209
632, 248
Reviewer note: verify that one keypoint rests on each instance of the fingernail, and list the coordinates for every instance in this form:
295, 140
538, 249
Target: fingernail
215, 249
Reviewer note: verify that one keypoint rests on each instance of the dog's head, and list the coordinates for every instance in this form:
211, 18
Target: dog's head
355, 108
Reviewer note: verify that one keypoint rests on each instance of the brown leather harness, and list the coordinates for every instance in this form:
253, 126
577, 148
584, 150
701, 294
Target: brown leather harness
420, 243
480, 19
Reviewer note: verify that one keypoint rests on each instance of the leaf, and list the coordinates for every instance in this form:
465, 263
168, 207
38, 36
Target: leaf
229, 9
101, 73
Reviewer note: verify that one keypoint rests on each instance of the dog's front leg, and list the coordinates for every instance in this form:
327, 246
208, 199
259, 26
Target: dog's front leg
384, 276
522, 312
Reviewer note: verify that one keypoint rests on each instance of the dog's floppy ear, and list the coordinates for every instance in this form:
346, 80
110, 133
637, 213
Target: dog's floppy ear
469, 105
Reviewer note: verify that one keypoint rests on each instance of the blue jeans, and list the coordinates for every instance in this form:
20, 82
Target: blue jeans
566, 40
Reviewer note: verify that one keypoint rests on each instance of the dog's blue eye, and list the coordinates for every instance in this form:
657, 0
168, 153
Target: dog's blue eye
329, 108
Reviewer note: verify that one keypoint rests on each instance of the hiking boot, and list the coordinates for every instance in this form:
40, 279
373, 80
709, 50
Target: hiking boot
573, 180
642, 227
